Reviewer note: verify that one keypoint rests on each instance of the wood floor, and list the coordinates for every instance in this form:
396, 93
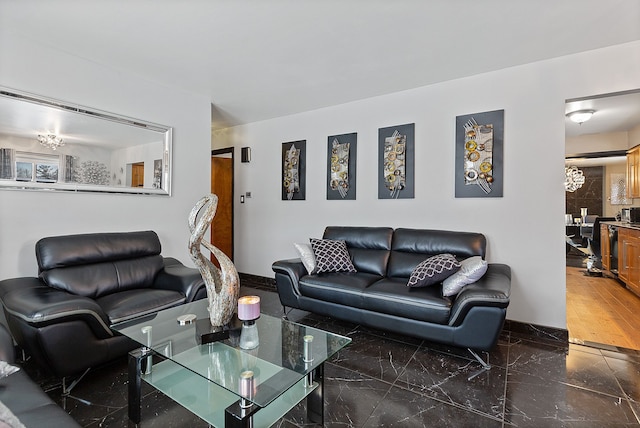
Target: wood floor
601, 310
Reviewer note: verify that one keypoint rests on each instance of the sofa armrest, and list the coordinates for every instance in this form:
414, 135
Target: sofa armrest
177, 277
492, 290
42, 305
293, 269
7, 350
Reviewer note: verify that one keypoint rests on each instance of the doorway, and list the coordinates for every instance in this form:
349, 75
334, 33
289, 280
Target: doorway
222, 186
137, 174
600, 309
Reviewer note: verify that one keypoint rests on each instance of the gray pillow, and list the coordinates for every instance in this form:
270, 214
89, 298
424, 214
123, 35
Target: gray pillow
331, 256
470, 271
8, 419
433, 270
306, 256
7, 369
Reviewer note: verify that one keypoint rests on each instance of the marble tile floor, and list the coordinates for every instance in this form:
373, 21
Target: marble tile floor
387, 379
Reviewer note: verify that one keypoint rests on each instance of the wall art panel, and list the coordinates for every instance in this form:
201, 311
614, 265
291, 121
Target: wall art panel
396, 153
479, 155
341, 166
293, 170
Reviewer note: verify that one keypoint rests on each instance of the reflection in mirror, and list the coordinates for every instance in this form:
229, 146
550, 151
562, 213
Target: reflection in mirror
47, 144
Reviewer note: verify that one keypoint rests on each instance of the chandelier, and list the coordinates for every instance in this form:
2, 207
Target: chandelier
573, 178
50, 141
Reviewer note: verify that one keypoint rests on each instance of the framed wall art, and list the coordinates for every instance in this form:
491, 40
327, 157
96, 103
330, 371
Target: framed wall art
341, 166
293, 170
479, 155
396, 153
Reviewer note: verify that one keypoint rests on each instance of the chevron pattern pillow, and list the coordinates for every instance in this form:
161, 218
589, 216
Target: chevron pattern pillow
331, 256
433, 270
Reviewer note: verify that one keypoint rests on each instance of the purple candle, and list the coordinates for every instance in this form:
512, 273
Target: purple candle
248, 308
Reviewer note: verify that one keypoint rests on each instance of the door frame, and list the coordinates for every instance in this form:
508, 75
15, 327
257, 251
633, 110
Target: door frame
217, 152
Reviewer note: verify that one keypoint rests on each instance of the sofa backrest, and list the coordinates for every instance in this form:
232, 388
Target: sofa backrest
96, 264
411, 246
369, 247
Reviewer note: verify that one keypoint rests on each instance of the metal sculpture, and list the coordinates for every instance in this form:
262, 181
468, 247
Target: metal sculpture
223, 284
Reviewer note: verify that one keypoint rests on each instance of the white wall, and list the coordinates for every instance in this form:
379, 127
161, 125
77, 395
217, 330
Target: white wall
589, 143
525, 228
26, 216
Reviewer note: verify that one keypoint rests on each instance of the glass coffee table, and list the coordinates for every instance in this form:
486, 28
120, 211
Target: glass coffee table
221, 383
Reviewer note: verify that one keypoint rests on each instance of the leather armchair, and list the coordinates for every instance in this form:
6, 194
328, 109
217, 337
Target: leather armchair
85, 284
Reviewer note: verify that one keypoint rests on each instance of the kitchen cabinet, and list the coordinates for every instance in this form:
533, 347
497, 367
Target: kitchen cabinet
629, 258
633, 172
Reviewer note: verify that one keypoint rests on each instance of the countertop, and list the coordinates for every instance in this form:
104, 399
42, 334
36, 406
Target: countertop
635, 226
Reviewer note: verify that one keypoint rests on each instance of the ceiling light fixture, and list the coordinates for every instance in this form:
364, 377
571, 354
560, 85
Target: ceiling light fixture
50, 141
580, 116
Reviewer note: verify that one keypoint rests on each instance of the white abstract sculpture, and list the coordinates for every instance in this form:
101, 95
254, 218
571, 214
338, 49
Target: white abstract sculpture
223, 285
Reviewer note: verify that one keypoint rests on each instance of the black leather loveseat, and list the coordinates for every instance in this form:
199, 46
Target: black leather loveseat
24, 398
86, 283
377, 294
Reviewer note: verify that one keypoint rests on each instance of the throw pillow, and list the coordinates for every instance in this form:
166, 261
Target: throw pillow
7, 369
471, 270
8, 419
433, 270
306, 256
331, 256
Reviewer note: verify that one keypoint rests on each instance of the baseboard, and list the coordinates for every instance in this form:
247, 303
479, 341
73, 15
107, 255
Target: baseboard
537, 332
255, 280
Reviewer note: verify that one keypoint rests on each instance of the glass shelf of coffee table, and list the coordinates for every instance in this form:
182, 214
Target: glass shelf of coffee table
209, 379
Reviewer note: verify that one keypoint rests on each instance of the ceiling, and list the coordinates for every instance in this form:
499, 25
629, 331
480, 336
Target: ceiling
260, 59
613, 113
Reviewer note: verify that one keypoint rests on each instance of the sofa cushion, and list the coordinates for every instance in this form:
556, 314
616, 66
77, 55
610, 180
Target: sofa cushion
342, 288
389, 296
471, 270
331, 256
411, 246
99, 279
433, 270
369, 246
136, 303
82, 249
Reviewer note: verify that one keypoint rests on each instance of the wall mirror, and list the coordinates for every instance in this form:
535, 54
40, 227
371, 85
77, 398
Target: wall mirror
47, 144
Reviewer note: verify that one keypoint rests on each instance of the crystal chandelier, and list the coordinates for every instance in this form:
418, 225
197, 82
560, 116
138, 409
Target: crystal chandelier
573, 178
50, 141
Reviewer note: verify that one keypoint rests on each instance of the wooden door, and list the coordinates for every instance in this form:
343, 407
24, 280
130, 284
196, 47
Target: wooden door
222, 185
137, 174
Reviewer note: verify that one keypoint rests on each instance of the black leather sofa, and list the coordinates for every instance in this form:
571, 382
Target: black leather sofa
86, 283
24, 398
377, 295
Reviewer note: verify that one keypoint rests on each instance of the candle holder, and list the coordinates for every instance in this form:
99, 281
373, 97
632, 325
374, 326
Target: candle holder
248, 313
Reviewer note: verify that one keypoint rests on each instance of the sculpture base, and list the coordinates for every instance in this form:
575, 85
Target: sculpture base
207, 333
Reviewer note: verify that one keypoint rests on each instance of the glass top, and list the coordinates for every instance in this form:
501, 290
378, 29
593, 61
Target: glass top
276, 364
